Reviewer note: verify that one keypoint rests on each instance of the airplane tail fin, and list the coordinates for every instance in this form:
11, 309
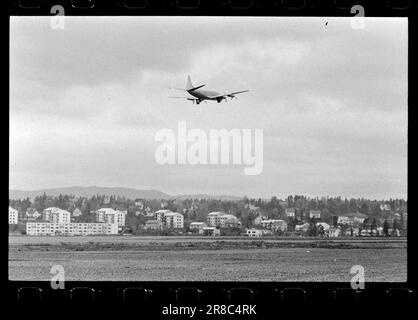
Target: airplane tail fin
189, 83
190, 86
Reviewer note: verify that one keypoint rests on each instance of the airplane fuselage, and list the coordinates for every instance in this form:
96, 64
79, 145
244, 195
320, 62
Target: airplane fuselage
204, 94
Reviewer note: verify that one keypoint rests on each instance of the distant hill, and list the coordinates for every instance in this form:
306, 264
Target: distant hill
208, 196
129, 193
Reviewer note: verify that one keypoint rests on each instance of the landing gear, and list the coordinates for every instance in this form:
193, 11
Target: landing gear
219, 100
197, 101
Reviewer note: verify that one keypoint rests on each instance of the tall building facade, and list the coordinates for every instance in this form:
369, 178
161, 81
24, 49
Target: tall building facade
56, 215
110, 215
220, 219
13, 216
169, 219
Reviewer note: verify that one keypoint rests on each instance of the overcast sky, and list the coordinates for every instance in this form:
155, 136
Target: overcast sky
86, 102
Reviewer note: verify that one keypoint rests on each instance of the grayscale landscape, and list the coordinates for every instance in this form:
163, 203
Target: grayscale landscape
208, 148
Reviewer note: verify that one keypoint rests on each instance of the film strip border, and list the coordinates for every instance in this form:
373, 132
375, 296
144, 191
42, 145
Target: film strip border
266, 297
213, 7
262, 294
217, 300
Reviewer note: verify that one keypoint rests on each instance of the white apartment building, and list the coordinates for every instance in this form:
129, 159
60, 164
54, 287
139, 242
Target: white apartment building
221, 219
169, 219
229, 220
110, 215
70, 229
46, 213
160, 214
212, 218
173, 220
56, 215
13, 215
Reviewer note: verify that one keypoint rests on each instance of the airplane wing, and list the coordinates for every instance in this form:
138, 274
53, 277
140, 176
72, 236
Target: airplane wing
192, 99
230, 95
175, 88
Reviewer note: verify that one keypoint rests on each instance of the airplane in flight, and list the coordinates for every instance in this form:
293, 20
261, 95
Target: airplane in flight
202, 95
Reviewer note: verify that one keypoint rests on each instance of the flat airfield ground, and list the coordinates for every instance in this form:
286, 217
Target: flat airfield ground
145, 258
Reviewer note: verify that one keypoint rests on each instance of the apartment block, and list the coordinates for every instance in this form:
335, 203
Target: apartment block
169, 219
110, 215
70, 229
56, 215
220, 219
13, 215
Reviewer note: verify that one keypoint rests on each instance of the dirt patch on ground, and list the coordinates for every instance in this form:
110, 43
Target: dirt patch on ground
198, 245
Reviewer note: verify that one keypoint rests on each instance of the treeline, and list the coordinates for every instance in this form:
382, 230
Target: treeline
197, 209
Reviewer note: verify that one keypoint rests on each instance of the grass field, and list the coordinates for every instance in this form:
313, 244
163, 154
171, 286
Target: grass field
205, 259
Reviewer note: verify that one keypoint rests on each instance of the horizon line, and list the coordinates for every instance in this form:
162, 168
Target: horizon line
214, 195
